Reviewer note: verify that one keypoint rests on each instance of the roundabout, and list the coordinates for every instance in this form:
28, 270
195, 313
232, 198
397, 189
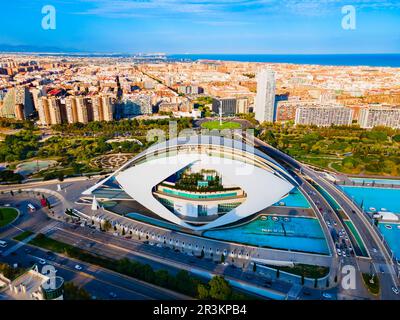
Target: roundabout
7, 216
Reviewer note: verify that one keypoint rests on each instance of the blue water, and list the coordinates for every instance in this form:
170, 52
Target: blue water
294, 199
392, 237
381, 181
149, 220
373, 60
302, 234
375, 197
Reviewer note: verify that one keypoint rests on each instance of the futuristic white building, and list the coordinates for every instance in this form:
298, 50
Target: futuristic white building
203, 182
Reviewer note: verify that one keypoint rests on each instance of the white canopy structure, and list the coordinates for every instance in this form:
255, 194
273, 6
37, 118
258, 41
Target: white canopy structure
263, 180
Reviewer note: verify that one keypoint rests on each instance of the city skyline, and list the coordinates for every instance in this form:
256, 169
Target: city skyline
175, 26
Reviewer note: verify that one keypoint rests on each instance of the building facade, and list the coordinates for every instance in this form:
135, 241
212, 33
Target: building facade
17, 104
373, 117
324, 116
265, 98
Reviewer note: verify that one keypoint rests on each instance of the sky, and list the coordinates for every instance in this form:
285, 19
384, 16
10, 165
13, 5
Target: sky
204, 26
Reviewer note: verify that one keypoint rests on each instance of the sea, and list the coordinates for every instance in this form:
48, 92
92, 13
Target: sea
369, 60
372, 60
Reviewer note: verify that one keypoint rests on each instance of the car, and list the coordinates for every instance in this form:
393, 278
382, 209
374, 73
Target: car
374, 250
381, 270
395, 290
78, 267
42, 261
344, 253
339, 252
112, 295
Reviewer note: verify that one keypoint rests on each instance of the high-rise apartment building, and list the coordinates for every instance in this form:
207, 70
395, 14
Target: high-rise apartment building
82, 109
71, 108
103, 109
265, 98
51, 111
17, 104
134, 105
373, 117
324, 116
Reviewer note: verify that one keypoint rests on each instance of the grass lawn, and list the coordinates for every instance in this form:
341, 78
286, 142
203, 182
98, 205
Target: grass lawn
7, 215
309, 271
50, 244
373, 288
211, 125
23, 235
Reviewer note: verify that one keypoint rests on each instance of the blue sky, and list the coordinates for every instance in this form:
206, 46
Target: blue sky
205, 26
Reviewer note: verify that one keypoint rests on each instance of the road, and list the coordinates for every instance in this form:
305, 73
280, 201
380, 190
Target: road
98, 281
379, 256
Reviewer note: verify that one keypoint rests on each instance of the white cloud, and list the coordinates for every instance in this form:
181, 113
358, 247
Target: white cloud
211, 8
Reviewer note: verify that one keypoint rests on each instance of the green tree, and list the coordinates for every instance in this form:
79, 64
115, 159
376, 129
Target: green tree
107, 225
202, 292
73, 292
219, 288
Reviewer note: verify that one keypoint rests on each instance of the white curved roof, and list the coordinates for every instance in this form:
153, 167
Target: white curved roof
263, 187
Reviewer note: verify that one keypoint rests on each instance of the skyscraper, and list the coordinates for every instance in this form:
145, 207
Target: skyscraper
265, 99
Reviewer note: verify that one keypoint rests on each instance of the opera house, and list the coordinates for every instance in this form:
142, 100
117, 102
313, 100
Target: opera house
201, 182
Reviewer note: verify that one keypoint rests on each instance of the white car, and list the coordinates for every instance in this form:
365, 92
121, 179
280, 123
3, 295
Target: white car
42, 261
339, 252
395, 290
78, 267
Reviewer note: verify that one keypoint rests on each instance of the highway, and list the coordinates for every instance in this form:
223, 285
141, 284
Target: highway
379, 256
100, 282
